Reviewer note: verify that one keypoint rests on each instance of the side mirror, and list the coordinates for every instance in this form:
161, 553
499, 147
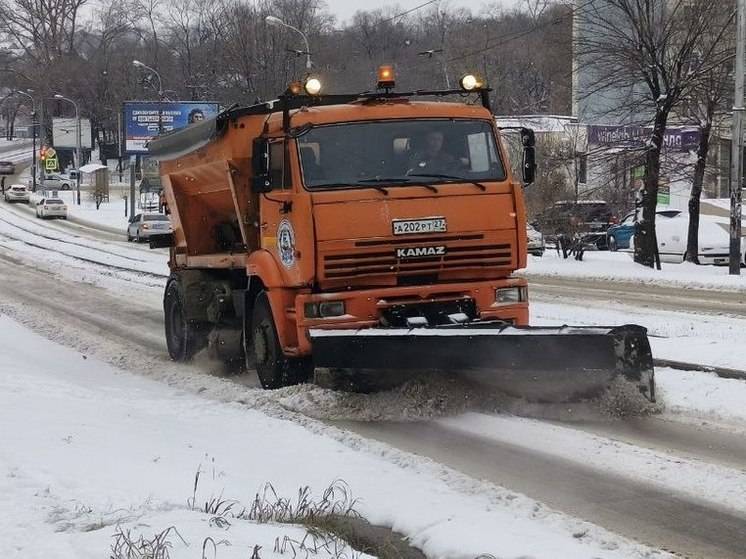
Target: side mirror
529, 165
260, 165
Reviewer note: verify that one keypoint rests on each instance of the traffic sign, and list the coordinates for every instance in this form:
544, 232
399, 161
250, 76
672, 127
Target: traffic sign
50, 163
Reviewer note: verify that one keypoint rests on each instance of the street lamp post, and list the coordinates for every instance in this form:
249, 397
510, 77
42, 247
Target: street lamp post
160, 91
272, 20
77, 141
33, 139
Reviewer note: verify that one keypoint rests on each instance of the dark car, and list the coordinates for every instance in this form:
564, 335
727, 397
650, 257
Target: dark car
7, 168
588, 220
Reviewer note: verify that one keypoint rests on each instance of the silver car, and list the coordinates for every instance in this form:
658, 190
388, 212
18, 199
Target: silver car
535, 243
141, 226
57, 181
17, 193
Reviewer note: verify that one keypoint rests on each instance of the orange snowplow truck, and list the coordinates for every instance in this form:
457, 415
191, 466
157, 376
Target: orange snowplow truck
367, 232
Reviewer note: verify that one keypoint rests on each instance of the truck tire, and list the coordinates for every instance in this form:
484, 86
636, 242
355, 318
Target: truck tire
274, 369
183, 337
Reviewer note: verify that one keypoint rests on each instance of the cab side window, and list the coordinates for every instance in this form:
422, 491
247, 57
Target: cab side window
279, 173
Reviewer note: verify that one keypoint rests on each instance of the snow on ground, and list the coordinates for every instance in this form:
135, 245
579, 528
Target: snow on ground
109, 214
679, 336
26, 236
619, 266
695, 396
720, 485
86, 447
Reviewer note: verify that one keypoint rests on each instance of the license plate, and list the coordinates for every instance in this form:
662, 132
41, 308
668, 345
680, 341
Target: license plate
419, 226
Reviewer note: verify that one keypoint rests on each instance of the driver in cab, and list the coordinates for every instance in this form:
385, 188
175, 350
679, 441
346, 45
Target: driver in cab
432, 158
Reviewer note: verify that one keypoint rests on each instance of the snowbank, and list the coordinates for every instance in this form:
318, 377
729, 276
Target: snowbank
86, 447
619, 266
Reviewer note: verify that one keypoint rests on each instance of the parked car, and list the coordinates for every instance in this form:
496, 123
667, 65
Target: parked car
141, 226
57, 181
17, 193
51, 207
586, 219
535, 243
618, 236
714, 239
7, 168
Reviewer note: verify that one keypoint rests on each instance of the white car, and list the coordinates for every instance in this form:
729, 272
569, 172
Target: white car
51, 207
17, 193
714, 239
57, 181
535, 243
141, 226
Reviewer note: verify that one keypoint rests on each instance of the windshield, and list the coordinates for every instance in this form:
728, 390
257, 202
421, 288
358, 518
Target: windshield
399, 152
54, 202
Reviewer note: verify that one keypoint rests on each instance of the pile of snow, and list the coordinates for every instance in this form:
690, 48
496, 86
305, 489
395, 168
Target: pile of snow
89, 450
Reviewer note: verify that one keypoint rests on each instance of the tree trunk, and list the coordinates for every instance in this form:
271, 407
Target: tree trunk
646, 244
692, 241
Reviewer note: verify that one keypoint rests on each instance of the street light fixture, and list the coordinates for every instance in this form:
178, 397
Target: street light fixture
153, 71
139, 64
276, 21
77, 139
27, 93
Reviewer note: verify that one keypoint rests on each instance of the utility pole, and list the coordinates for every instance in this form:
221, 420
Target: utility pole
736, 163
78, 159
34, 124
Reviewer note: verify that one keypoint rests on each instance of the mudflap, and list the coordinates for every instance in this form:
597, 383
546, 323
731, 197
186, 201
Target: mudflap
541, 364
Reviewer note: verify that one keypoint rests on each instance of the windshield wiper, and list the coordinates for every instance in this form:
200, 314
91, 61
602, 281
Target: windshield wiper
404, 179
349, 184
450, 177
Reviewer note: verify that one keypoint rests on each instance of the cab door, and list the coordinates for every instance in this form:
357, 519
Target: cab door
285, 217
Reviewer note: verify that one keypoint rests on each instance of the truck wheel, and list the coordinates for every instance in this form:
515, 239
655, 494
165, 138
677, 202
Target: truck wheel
183, 338
274, 369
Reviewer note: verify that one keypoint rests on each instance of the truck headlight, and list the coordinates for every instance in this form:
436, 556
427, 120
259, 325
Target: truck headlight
510, 295
325, 309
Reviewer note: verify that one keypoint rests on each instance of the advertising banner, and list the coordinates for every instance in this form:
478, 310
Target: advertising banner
142, 120
682, 139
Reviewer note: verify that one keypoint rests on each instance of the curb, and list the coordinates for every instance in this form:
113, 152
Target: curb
723, 372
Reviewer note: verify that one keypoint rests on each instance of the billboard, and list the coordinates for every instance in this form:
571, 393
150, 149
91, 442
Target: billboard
141, 120
677, 138
63, 133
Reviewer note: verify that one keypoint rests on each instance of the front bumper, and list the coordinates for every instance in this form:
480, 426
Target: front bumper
146, 233
369, 308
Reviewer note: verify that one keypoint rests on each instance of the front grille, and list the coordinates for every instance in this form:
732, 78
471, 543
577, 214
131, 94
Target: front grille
385, 262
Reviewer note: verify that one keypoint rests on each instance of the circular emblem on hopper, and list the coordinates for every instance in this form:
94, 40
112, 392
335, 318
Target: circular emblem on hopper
286, 243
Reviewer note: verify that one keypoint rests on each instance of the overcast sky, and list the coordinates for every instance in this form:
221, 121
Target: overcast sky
344, 9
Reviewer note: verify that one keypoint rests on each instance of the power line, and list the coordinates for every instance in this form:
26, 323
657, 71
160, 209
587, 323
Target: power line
402, 14
521, 34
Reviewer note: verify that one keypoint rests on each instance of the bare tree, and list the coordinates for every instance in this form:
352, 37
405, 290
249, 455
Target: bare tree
657, 51
705, 104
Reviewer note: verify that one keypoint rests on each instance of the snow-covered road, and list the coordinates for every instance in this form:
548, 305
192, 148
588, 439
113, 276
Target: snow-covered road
673, 481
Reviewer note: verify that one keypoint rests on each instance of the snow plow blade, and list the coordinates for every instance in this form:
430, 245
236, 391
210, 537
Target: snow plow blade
541, 364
